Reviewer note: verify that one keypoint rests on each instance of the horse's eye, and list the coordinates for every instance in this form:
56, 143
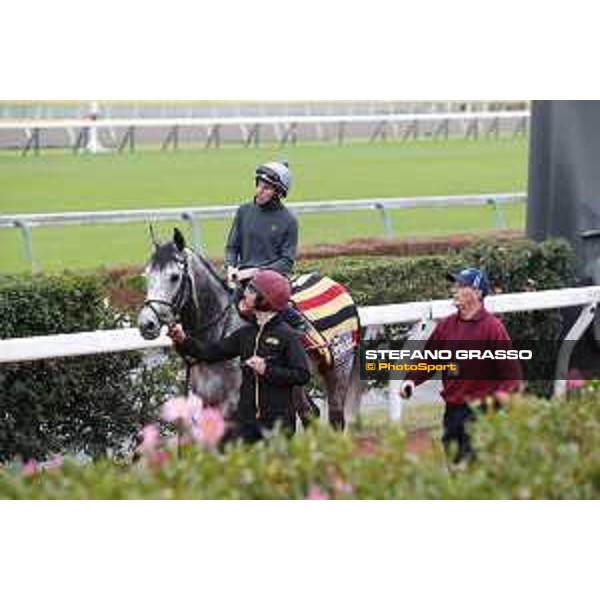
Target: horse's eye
174, 277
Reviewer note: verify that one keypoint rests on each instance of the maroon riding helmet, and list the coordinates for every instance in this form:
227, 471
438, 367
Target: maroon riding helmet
273, 288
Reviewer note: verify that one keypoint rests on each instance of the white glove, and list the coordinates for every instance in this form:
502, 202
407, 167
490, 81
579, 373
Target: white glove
232, 277
407, 387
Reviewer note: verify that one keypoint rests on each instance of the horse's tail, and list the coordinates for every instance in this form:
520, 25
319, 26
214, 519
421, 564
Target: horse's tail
356, 388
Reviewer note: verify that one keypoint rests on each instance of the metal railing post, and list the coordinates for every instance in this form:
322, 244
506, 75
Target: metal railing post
341, 130
27, 244
33, 141
172, 137
418, 337
214, 137
388, 226
194, 222
499, 220
585, 319
252, 136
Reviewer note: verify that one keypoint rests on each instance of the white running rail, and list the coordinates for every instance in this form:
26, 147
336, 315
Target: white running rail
121, 340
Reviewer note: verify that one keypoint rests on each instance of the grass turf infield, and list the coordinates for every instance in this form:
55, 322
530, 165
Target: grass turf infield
57, 181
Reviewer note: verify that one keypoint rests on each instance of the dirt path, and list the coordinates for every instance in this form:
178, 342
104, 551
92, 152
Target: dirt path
417, 441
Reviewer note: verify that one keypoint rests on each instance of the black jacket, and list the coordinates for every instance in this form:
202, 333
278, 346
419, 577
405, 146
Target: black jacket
268, 398
263, 236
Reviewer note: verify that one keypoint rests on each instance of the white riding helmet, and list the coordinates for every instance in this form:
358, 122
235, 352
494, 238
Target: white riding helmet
276, 174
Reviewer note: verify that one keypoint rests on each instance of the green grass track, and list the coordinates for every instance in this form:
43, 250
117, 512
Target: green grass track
57, 181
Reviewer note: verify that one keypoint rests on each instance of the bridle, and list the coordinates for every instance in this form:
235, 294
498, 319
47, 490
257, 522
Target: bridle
180, 299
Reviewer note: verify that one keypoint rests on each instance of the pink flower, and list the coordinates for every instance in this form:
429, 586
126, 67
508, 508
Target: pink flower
30, 468
55, 463
195, 406
210, 427
341, 486
179, 441
158, 459
575, 379
501, 396
176, 410
316, 493
150, 440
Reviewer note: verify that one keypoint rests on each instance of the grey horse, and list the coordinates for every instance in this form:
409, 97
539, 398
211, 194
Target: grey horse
184, 286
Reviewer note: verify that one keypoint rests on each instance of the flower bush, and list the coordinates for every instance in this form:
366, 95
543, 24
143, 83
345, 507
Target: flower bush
91, 405
535, 449
95, 404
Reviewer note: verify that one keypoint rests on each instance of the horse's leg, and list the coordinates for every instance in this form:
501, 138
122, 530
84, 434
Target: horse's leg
217, 385
356, 389
305, 408
337, 380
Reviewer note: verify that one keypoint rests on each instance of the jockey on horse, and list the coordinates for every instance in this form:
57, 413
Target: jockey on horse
182, 286
264, 234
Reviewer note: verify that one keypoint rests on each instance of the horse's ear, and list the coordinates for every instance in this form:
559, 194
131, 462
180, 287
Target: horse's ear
178, 239
153, 235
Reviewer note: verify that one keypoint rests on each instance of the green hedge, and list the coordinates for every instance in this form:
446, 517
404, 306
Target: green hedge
512, 266
91, 405
94, 404
536, 449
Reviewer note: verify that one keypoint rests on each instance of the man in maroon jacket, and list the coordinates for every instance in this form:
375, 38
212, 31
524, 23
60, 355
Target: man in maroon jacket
474, 380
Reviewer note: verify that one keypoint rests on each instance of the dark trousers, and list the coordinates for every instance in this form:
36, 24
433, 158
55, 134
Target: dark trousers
458, 418
456, 439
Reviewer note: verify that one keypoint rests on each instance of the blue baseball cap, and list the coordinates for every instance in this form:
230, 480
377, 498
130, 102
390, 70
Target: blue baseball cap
473, 278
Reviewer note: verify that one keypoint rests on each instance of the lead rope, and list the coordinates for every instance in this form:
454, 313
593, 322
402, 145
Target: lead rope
256, 382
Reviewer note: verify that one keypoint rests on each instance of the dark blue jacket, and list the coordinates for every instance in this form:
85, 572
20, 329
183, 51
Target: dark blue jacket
263, 236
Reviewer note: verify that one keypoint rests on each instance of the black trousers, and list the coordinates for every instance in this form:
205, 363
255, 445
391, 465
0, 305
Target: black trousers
457, 420
455, 437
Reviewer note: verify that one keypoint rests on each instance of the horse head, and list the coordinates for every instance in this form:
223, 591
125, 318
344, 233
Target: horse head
168, 285
181, 286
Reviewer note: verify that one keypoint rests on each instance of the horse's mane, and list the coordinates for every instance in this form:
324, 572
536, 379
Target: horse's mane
167, 252
211, 269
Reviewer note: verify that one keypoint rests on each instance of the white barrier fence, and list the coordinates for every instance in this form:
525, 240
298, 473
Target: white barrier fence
260, 120
121, 340
195, 215
286, 127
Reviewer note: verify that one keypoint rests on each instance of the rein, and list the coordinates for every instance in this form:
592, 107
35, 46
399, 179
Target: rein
218, 318
179, 300
177, 304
